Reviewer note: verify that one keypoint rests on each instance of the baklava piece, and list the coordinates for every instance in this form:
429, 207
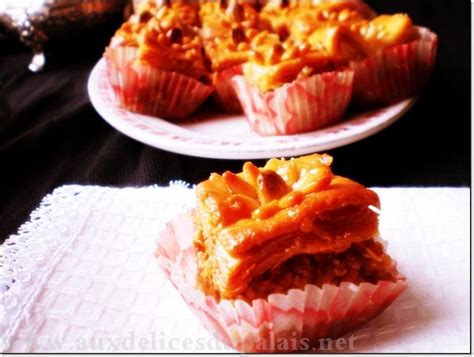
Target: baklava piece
285, 225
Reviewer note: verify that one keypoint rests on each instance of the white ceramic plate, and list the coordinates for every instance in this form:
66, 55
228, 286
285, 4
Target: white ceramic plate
224, 136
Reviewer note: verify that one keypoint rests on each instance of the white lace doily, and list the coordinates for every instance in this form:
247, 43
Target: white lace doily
80, 276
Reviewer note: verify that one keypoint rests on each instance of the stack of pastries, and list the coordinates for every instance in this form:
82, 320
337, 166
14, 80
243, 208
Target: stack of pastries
287, 250
291, 66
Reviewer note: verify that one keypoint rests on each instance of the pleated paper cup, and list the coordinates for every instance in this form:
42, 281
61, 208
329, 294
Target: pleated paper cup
147, 90
396, 73
295, 321
297, 107
224, 92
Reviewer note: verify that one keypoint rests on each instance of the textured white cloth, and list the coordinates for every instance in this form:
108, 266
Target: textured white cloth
80, 276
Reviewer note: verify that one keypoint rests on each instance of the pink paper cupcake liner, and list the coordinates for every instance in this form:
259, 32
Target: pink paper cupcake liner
303, 105
146, 90
224, 92
396, 73
299, 317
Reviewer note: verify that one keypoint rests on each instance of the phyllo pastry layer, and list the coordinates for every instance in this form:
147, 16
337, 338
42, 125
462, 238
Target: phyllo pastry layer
252, 224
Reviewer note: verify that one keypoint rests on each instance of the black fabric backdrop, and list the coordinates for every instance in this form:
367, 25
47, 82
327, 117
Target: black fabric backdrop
50, 134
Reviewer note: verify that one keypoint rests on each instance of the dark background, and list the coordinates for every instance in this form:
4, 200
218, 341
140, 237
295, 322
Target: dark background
50, 134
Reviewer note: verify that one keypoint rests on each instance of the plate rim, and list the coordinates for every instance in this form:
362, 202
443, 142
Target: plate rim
226, 149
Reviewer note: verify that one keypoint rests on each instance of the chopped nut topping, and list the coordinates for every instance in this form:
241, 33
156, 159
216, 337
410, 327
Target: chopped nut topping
145, 17
271, 186
175, 35
344, 15
238, 35
277, 43
236, 11
164, 3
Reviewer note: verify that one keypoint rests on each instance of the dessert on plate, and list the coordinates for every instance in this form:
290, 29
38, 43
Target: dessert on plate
292, 66
362, 58
391, 57
398, 63
288, 250
156, 64
290, 87
226, 29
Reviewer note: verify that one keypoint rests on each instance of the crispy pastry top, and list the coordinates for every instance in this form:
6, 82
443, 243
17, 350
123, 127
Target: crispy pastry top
276, 44
255, 220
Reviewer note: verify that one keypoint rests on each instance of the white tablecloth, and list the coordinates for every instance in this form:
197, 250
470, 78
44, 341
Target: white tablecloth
81, 277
